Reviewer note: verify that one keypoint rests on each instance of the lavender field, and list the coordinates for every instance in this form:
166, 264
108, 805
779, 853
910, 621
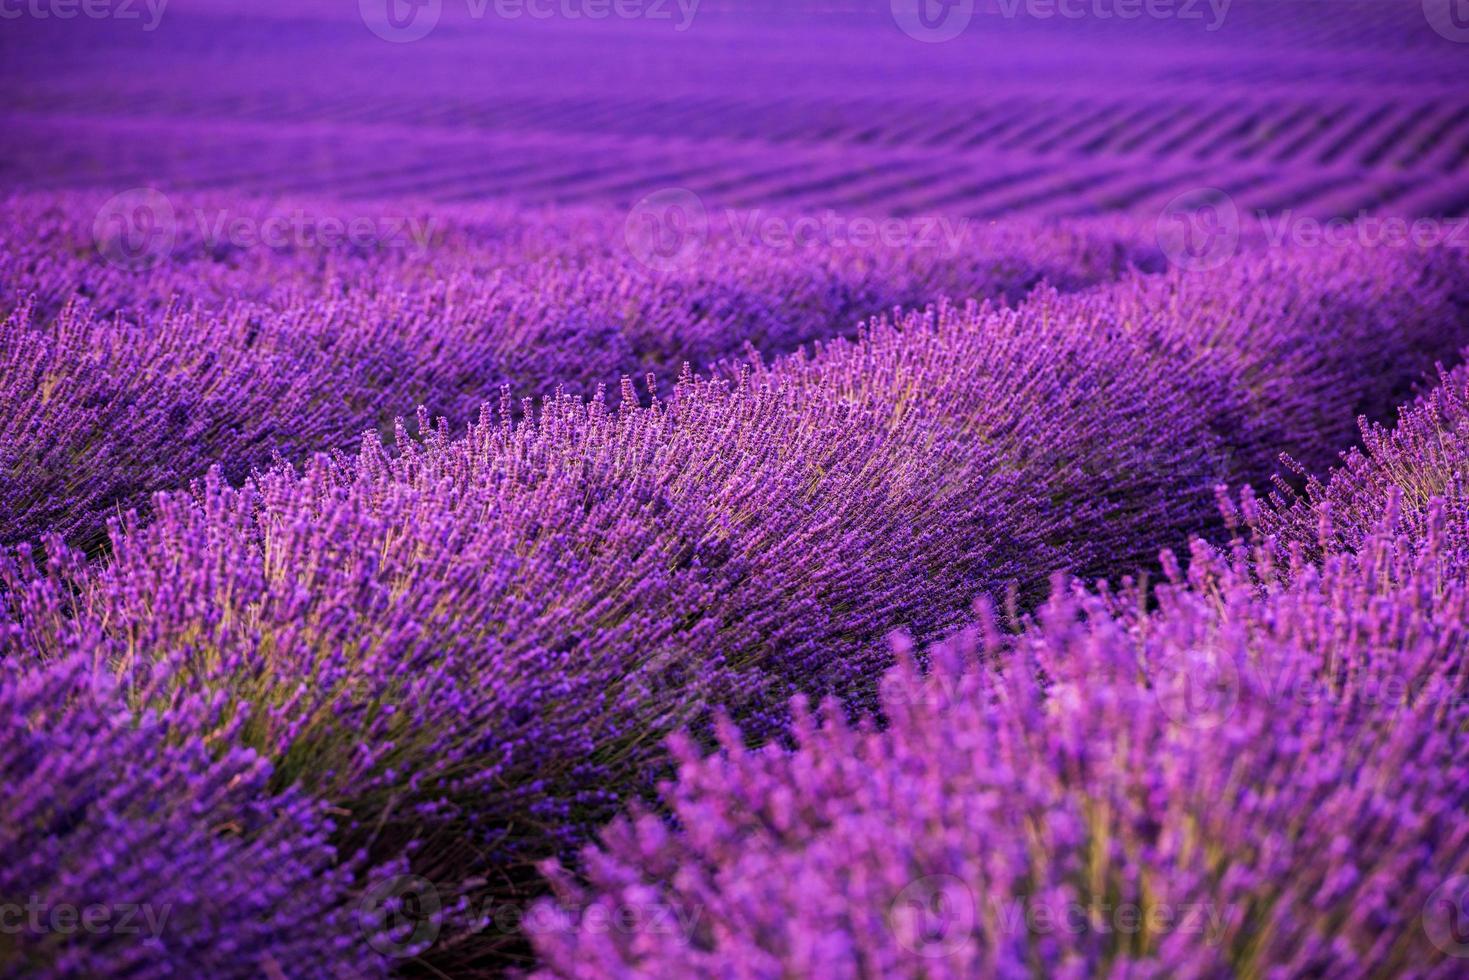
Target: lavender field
731, 488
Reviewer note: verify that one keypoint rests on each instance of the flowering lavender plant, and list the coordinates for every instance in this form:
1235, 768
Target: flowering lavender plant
151, 843
472, 647
1262, 775
122, 382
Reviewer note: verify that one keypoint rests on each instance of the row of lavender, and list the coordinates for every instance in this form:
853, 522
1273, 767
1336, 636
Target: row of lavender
1025, 112
1264, 777
463, 655
129, 371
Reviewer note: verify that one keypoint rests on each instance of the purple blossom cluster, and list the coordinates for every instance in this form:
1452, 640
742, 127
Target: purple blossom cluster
123, 381
1255, 769
469, 648
1417, 463
142, 836
744, 489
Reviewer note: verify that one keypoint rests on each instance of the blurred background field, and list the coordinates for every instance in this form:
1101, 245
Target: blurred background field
1320, 107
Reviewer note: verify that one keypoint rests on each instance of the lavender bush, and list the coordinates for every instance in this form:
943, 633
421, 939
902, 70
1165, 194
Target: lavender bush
1417, 462
1263, 776
473, 647
150, 843
933, 567
122, 382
